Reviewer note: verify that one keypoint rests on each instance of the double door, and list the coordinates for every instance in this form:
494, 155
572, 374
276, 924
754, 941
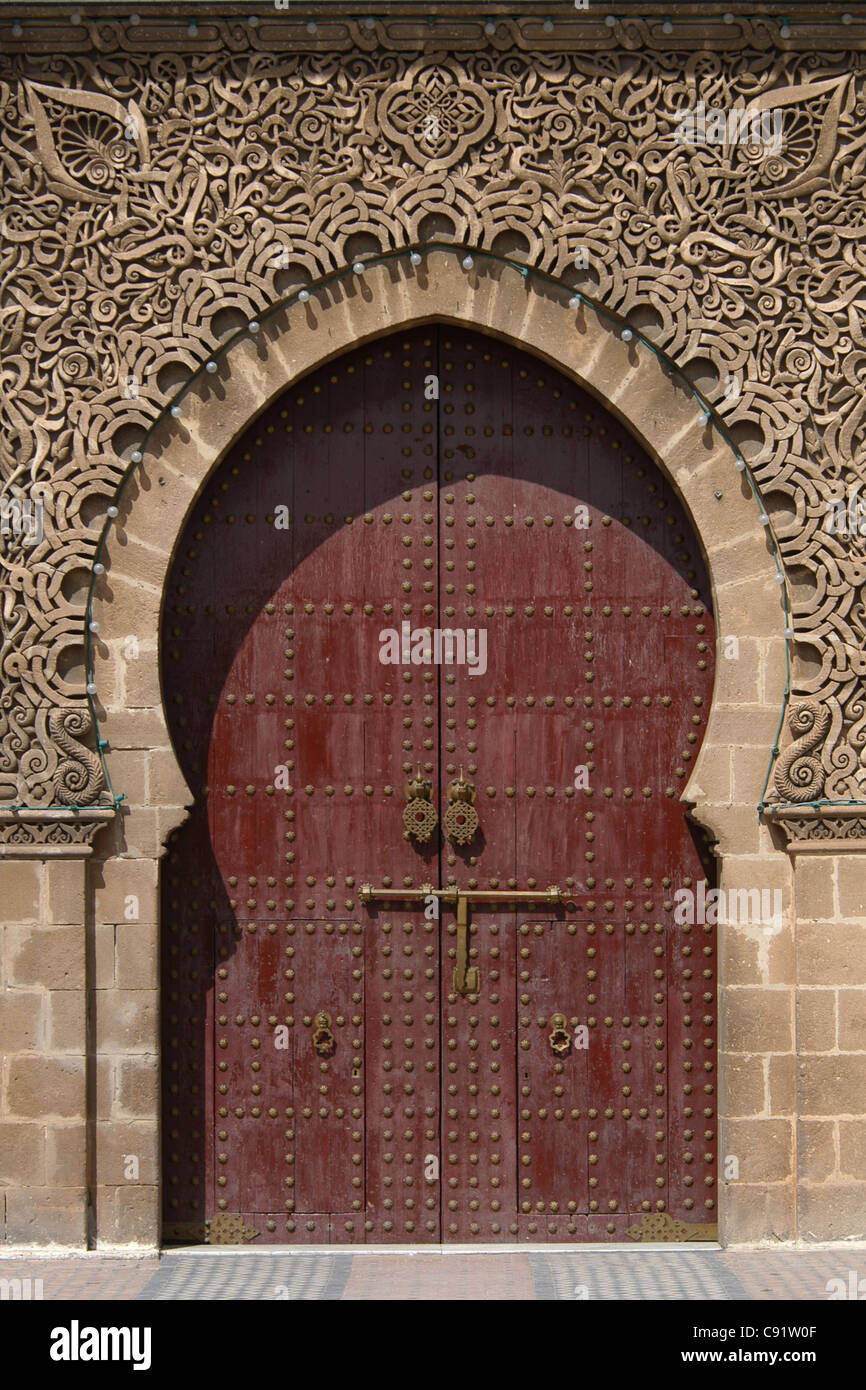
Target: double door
444, 654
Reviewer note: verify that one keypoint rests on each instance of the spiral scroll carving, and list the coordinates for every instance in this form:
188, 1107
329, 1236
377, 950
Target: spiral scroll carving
153, 178
78, 777
799, 775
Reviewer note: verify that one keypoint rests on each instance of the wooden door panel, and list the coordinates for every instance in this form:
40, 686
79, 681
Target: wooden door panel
540, 834
647, 1105
600, 646
554, 1088
515, 505
693, 1040
401, 1071
255, 1079
329, 1115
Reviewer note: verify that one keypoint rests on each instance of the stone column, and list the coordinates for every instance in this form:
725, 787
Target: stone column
828, 1084
125, 1003
44, 1037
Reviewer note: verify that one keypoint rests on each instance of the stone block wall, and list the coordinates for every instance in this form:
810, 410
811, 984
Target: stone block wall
44, 1181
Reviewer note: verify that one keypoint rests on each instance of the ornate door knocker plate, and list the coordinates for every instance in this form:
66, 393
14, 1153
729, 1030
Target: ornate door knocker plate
461, 818
419, 814
324, 1041
560, 1038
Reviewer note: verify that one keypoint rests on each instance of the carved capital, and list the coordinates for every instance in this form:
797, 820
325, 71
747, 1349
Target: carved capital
821, 830
62, 834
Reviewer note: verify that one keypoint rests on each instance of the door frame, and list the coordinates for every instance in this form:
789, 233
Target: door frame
727, 781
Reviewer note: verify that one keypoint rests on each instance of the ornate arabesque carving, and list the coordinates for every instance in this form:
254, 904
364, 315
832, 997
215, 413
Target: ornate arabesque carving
155, 180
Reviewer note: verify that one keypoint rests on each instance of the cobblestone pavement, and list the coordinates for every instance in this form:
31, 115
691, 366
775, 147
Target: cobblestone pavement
496, 1275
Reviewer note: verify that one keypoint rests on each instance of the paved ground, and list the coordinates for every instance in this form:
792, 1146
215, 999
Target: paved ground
349, 1275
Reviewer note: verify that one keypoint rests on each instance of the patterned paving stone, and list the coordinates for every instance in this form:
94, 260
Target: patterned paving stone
90, 1277
798, 1276
650, 1274
435, 1276
249, 1276
442, 1275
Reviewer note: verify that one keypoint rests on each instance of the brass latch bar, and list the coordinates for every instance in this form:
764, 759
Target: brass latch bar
466, 977
368, 893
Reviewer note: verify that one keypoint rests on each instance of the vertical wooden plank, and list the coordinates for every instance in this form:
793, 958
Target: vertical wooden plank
479, 1170
401, 1076
554, 1086
329, 1117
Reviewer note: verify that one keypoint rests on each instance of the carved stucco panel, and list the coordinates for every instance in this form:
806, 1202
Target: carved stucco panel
155, 200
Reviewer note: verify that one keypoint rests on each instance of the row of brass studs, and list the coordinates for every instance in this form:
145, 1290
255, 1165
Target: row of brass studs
348, 790
589, 904
428, 678
388, 700
349, 880
707, 1021
387, 519
329, 607
427, 519
472, 701
571, 927
308, 608
388, 607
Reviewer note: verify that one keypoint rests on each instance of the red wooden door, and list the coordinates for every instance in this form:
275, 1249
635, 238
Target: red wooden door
325, 1080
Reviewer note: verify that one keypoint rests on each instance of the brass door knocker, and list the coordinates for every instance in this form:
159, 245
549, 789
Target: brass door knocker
560, 1038
419, 814
324, 1041
461, 818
